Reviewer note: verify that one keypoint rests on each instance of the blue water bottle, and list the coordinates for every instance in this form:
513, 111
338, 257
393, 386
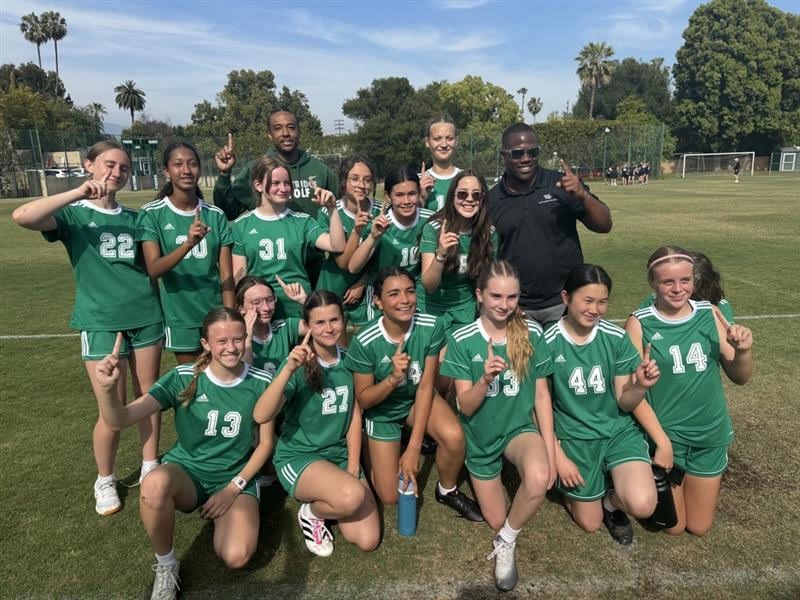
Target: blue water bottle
406, 508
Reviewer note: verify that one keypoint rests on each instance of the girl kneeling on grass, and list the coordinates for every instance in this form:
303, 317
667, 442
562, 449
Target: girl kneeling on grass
213, 462
112, 293
500, 366
317, 458
686, 415
598, 379
394, 361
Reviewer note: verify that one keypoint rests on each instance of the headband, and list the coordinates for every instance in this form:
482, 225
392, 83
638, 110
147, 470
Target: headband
670, 256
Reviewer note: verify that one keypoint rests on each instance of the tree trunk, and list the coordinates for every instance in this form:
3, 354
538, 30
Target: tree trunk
591, 104
58, 78
132, 121
39, 52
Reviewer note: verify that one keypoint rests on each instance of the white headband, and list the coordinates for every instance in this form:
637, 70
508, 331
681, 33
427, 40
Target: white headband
669, 256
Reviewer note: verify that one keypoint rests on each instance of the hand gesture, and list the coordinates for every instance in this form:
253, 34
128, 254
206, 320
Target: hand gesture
494, 364
301, 354
354, 293
408, 468
447, 240
197, 230
663, 456
250, 321
570, 182
400, 362
426, 184
225, 158
293, 291
647, 372
379, 226
568, 472
361, 220
94, 189
322, 196
741, 338
107, 371
219, 503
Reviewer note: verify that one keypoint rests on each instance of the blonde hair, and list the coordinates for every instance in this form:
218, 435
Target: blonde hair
670, 254
265, 167
518, 342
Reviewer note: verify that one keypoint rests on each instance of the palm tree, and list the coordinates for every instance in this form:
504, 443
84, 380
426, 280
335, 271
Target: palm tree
55, 27
129, 97
535, 107
595, 68
98, 111
523, 91
33, 30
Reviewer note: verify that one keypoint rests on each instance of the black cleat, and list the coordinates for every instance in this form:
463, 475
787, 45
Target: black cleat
461, 503
619, 526
429, 446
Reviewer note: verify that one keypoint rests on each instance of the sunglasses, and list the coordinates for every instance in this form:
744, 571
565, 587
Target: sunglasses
518, 153
464, 194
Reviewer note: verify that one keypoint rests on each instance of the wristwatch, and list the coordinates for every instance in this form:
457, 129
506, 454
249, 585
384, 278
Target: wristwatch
240, 482
438, 258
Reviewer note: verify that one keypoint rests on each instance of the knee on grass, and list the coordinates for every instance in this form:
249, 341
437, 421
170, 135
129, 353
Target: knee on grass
236, 556
588, 523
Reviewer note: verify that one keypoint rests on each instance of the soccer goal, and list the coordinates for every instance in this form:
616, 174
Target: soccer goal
716, 163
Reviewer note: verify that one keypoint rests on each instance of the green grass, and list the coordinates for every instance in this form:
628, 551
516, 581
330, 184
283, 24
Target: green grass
53, 544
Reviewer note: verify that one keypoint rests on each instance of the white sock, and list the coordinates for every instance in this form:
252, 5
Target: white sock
149, 465
508, 534
443, 490
607, 503
168, 559
105, 478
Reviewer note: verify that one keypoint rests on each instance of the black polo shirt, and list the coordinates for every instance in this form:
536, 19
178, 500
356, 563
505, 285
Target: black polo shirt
538, 235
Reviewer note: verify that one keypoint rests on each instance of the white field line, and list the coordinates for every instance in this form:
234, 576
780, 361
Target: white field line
41, 336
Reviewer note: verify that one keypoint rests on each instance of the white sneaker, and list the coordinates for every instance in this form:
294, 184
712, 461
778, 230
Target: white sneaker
165, 586
146, 468
106, 498
505, 565
319, 540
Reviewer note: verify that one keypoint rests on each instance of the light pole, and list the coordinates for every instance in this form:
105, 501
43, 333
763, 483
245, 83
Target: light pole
605, 139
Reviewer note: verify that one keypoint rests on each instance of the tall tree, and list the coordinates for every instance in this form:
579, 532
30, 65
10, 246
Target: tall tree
737, 78
55, 28
535, 106
131, 98
523, 91
42, 82
33, 31
595, 68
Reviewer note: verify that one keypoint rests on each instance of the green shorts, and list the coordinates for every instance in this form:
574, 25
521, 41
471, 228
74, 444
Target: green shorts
384, 431
365, 311
183, 339
699, 462
452, 317
96, 345
205, 489
488, 465
596, 458
289, 467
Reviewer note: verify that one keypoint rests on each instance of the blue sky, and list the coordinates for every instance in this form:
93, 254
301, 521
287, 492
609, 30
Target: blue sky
180, 52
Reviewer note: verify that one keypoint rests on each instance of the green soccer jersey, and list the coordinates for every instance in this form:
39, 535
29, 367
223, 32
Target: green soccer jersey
270, 352
112, 289
399, 246
371, 353
509, 402
315, 422
215, 432
436, 197
724, 307
688, 398
192, 287
332, 277
584, 401
456, 291
276, 246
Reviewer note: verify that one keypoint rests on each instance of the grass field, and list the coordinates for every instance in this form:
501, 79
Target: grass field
54, 545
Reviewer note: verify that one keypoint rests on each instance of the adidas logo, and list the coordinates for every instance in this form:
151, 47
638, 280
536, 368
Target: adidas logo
560, 359
169, 227
477, 358
92, 224
202, 398
395, 241
385, 359
253, 231
657, 336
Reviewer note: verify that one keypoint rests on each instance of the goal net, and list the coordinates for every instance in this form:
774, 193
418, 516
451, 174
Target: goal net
716, 163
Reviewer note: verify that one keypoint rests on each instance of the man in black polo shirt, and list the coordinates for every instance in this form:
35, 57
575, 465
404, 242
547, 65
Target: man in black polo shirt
535, 212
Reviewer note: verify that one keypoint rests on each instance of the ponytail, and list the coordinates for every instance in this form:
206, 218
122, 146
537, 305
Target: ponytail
187, 395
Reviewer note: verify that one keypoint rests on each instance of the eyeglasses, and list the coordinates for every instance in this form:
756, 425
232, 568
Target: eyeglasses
518, 153
259, 301
465, 194
356, 180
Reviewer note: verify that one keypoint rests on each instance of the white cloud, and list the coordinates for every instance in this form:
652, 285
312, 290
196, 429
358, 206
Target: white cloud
459, 4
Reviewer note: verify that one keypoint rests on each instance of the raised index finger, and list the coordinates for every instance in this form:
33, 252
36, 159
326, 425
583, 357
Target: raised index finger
230, 142
117, 345
721, 318
307, 338
565, 167
399, 349
197, 213
646, 358
281, 281
422, 171
490, 349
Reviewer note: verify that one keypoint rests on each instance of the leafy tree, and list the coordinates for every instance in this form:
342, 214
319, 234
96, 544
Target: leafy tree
129, 97
29, 75
55, 28
737, 78
473, 100
98, 111
648, 80
34, 32
595, 68
535, 106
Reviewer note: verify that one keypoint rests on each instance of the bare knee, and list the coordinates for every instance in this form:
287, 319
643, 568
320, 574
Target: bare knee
236, 556
350, 498
451, 437
156, 489
534, 481
699, 529
677, 530
641, 505
388, 497
588, 523
368, 540
495, 522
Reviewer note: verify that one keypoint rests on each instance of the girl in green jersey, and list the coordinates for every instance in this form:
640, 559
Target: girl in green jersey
113, 293
319, 450
213, 464
441, 139
686, 415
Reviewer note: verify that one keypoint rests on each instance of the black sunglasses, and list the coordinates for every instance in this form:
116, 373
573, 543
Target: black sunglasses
464, 194
518, 153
